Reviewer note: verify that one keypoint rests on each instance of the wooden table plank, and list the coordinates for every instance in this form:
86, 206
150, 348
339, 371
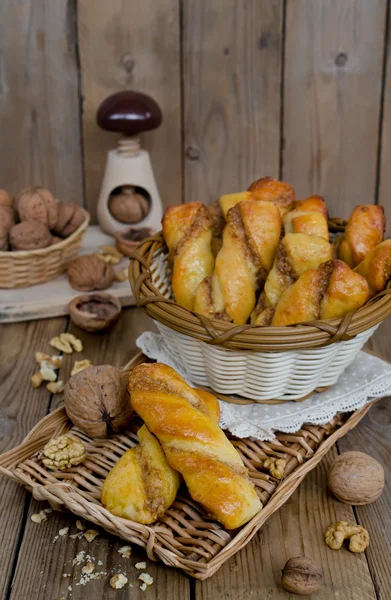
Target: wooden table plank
43, 560
21, 407
232, 55
295, 530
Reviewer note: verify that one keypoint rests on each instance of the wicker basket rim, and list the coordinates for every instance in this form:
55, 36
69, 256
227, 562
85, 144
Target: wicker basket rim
44, 251
315, 333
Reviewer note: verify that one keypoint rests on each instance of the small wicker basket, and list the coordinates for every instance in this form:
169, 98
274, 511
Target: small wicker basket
254, 363
24, 268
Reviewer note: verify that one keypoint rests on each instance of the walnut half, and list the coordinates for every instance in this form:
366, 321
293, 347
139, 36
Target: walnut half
338, 532
63, 453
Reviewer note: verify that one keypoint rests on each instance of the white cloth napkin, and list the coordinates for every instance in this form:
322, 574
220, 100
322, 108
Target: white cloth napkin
367, 378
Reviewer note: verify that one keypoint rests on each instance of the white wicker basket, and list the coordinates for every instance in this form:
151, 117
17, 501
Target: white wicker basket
228, 366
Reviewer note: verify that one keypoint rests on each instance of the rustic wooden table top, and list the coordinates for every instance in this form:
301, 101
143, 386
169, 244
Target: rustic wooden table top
33, 560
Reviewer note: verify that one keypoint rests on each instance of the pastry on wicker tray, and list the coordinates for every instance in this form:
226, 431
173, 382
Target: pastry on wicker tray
250, 241
376, 267
194, 444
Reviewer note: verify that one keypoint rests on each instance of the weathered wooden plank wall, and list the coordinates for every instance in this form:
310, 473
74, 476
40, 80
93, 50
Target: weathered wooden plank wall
282, 87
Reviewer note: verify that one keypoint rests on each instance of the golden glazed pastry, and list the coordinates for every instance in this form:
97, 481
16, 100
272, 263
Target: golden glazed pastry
364, 231
297, 252
331, 290
313, 203
279, 193
187, 230
376, 268
194, 444
250, 240
142, 485
311, 223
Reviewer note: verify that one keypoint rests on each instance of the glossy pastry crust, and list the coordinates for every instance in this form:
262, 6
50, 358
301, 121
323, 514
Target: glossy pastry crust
313, 203
194, 444
142, 485
309, 222
187, 230
364, 231
250, 241
296, 254
279, 193
376, 268
331, 290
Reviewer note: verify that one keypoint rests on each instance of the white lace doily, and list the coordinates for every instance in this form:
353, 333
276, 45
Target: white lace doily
367, 378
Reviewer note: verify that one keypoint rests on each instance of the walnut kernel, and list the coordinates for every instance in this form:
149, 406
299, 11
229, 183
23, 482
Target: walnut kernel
276, 466
118, 581
80, 365
63, 453
338, 532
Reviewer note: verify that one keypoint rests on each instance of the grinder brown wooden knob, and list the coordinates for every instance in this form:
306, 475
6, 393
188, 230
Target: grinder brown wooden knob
130, 113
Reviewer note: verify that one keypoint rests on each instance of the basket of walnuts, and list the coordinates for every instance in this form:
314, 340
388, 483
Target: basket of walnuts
261, 296
38, 236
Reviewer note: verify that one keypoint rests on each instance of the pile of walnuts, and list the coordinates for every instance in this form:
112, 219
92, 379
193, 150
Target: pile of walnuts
36, 219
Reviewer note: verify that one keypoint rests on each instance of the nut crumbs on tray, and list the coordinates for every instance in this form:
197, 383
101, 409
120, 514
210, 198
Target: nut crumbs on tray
125, 551
118, 581
141, 565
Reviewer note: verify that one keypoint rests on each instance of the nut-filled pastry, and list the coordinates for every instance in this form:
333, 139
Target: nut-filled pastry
194, 444
187, 230
364, 231
250, 241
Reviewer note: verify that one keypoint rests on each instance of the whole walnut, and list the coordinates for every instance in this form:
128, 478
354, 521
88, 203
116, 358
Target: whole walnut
301, 575
6, 199
7, 217
356, 478
97, 401
88, 272
69, 217
30, 235
38, 204
129, 206
3, 239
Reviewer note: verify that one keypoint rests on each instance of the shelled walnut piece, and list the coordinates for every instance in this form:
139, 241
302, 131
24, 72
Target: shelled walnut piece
338, 532
63, 453
80, 365
276, 466
67, 343
109, 254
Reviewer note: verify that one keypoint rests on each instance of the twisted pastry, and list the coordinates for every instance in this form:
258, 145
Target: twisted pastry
331, 290
364, 231
309, 222
187, 230
312, 204
250, 241
297, 252
376, 268
193, 444
279, 193
142, 485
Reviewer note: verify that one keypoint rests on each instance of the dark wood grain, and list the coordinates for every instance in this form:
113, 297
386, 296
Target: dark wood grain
232, 77
21, 407
128, 44
295, 530
39, 98
332, 97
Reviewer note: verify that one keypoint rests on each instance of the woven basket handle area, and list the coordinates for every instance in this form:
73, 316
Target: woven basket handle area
148, 296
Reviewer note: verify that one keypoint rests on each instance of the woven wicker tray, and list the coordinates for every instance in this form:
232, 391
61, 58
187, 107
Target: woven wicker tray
185, 537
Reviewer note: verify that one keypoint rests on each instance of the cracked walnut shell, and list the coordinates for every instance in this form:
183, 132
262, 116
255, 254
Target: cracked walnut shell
356, 478
63, 453
30, 235
38, 204
338, 532
97, 401
69, 217
88, 272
